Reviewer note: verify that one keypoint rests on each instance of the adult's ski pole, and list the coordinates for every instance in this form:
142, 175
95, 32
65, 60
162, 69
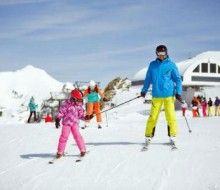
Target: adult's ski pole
190, 131
120, 104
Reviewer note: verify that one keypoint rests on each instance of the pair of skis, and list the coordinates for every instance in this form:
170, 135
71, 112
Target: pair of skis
78, 159
171, 144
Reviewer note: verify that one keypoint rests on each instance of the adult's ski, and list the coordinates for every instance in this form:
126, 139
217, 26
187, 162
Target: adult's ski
173, 145
145, 147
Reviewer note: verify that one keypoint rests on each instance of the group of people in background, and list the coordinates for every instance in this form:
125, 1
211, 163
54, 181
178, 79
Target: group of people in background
208, 107
92, 96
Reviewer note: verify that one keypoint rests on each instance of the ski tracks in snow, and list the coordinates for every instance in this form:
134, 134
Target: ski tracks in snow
32, 180
16, 166
163, 179
110, 173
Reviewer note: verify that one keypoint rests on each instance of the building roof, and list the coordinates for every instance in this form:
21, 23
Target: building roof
206, 57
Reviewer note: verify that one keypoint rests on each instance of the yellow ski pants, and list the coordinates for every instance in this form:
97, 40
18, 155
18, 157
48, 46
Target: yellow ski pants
169, 113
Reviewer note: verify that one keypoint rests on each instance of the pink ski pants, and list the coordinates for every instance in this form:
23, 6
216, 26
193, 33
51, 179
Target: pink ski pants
65, 135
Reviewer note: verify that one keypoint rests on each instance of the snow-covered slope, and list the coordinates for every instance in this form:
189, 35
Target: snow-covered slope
17, 87
114, 161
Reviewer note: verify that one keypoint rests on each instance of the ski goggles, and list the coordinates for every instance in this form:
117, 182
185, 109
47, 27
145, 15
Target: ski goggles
161, 53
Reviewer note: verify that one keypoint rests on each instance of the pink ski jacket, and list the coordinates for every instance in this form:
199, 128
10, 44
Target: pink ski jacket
71, 112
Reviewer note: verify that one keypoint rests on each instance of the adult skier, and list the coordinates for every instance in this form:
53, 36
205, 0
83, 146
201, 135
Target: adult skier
217, 106
32, 107
93, 94
166, 83
210, 107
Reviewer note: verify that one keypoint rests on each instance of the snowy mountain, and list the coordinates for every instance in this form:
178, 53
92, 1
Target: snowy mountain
114, 161
17, 87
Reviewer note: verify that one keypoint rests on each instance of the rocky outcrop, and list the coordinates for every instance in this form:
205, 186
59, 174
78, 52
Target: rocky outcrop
117, 84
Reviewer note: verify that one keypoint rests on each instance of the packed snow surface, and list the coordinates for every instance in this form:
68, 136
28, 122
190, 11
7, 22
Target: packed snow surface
114, 160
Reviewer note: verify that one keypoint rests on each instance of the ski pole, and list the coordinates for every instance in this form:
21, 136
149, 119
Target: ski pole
106, 118
120, 104
190, 131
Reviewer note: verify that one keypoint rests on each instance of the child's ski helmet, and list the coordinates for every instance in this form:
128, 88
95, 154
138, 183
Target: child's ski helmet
76, 94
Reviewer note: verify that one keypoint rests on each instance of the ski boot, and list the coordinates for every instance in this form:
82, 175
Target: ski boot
147, 140
173, 143
85, 126
82, 154
146, 144
58, 155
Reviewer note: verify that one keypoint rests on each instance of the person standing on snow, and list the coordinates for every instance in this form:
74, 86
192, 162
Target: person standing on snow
204, 106
184, 106
217, 106
210, 107
166, 85
71, 111
93, 94
32, 106
195, 107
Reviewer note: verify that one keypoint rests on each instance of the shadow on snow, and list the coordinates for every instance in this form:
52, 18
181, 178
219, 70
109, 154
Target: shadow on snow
43, 155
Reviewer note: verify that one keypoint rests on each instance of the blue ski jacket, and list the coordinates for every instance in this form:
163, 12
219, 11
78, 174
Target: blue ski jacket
164, 77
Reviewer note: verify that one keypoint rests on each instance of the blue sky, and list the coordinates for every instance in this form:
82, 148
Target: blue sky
99, 40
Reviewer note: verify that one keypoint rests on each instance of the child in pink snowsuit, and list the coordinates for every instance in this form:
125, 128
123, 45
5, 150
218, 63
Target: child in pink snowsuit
71, 111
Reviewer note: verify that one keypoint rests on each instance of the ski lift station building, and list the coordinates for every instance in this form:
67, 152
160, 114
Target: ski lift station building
197, 73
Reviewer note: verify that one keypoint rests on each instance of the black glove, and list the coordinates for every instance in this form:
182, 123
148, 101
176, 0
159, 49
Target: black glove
143, 94
105, 99
179, 98
88, 117
57, 122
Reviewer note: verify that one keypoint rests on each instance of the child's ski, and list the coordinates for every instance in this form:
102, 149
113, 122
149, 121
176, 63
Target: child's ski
53, 160
56, 159
80, 158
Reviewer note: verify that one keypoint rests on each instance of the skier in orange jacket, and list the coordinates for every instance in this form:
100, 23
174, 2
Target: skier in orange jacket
94, 94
